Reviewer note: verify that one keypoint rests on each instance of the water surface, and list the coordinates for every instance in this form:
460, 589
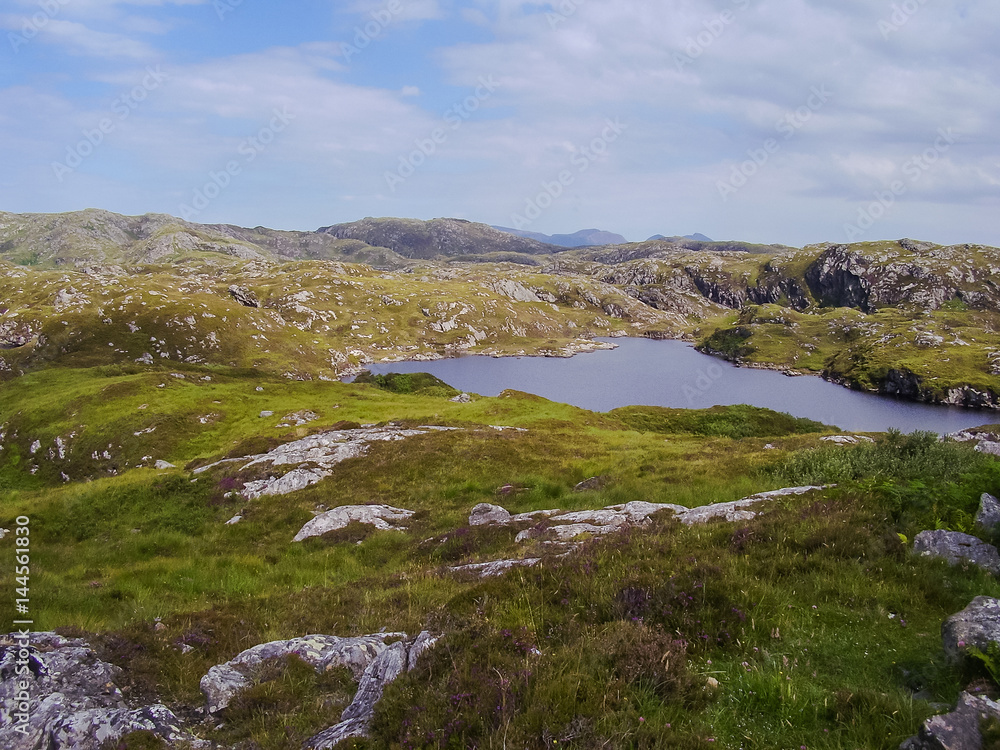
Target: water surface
672, 373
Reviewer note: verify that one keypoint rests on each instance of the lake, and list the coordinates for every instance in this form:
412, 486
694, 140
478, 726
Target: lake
672, 373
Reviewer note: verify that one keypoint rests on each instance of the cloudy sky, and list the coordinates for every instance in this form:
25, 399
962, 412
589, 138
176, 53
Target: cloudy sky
791, 121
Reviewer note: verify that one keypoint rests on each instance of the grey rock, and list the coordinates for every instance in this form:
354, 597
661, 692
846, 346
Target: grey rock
495, 567
372, 661
422, 643
313, 457
566, 525
739, 510
462, 398
380, 516
977, 625
958, 730
296, 479
988, 515
298, 419
988, 447
244, 296
639, 511
846, 439
265, 414
571, 530
234, 520
75, 703
957, 548
322, 652
485, 514
163, 465
594, 483
514, 290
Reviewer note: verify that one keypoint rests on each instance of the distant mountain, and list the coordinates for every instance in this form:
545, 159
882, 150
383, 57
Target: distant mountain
449, 238
94, 238
583, 238
696, 236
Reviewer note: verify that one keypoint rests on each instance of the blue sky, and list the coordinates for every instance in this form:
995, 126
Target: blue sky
791, 121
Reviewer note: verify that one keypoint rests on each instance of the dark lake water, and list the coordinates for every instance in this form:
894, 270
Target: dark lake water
672, 373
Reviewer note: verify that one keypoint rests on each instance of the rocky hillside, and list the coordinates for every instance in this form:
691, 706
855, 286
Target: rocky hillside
306, 319
916, 320
95, 238
438, 238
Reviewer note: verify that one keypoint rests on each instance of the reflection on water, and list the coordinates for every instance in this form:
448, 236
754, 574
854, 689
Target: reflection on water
671, 373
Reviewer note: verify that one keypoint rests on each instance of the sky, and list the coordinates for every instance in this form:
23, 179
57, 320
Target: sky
773, 121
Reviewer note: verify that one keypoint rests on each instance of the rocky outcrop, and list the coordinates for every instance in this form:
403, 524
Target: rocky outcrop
988, 515
567, 525
957, 730
56, 694
244, 296
846, 439
957, 548
902, 383
374, 660
382, 517
978, 625
495, 567
313, 457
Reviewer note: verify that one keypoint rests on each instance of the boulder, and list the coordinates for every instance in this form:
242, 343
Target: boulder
977, 625
74, 701
956, 548
485, 514
594, 483
380, 516
958, 730
989, 447
988, 515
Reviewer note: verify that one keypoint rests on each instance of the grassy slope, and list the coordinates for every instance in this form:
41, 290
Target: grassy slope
790, 612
